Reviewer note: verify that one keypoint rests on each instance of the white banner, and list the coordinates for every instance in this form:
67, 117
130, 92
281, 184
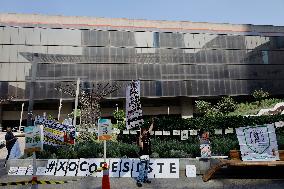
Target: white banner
158, 168
258, 143
133, 106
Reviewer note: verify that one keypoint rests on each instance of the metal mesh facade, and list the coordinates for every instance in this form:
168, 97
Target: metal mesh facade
168, 64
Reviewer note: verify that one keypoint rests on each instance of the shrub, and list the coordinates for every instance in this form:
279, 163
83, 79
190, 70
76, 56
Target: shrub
226, 105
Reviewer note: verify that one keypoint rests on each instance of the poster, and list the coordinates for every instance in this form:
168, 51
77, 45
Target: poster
55, 133
34, 138
105, 129
258, 143
133, 106
184, 134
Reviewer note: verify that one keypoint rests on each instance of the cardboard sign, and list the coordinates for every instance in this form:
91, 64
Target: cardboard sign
51, 167
72, 167
258, 143
34, 138
105, 129
61, 168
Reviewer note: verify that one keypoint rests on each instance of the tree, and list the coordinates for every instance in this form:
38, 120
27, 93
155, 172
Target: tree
226, 105
120, 117
203, 106
260, 94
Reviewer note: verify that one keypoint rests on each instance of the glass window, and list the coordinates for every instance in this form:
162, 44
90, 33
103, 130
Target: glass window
156, 41
264, 57
279, 42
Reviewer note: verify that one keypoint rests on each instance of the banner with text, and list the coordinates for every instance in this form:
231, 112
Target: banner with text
133, 106
55, 133
258, 143
158, 168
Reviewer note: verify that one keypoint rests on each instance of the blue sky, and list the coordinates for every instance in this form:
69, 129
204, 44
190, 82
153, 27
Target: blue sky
268, 12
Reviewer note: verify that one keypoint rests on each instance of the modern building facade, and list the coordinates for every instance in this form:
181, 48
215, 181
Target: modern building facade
176, 62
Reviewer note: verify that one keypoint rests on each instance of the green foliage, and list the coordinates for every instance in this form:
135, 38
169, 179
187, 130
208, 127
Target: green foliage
219, 122
223, 145
119, 115
253, 108
260, 94
78, 113
203, 106
120, 118
226, 105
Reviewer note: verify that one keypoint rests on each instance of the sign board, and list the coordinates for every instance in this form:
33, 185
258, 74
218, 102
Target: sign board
105, 129
158, 168
34, 138
258, 143
133, 106
55, 133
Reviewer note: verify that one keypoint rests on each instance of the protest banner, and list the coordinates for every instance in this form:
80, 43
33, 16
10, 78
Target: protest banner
133, 106
125, 167
34, 138
55, 133
258, 143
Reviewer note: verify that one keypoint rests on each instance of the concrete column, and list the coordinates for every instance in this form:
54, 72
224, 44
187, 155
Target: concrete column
186, 104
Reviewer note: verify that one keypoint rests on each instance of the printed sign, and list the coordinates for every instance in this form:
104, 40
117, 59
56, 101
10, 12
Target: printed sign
158, 168
34, 138
184, 135
105, 129
205, 150
133, 106
258, 143
176, 132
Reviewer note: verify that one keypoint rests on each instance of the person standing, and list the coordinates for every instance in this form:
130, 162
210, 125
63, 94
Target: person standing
144, 143
10, 141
